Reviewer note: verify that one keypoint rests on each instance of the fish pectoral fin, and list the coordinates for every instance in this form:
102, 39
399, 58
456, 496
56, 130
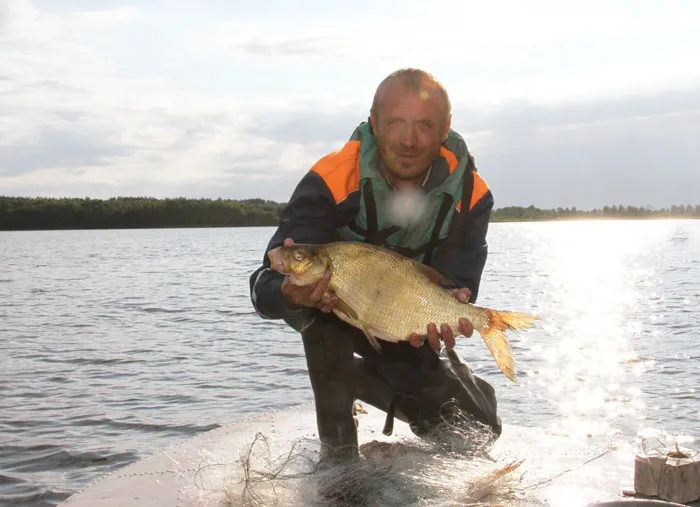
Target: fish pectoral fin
346, 313
350, 314
433, 274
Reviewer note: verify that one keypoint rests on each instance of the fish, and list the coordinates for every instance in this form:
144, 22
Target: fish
389, 296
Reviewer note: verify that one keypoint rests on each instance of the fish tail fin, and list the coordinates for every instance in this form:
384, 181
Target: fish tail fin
495, 338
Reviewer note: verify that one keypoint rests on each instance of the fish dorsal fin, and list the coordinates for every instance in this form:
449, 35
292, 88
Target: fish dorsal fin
432, 274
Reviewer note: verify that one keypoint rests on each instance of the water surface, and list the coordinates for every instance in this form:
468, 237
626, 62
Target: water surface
115, 344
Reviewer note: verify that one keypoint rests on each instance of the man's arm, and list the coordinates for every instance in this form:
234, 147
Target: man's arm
310, 216
463, 258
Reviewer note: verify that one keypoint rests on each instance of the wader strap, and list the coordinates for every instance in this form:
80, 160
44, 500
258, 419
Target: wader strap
371, 207
391, 413
376, 237
435, 237
415, 416
372, 235
467, 191
389, 422
468, 188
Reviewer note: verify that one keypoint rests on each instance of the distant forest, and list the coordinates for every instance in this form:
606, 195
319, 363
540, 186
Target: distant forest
35, 213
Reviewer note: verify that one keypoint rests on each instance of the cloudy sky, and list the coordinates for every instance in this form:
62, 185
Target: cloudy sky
562, 103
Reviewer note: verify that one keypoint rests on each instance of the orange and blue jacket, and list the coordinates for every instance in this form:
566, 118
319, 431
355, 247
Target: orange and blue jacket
327, 198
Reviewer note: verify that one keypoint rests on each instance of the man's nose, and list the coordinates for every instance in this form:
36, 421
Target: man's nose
408, 135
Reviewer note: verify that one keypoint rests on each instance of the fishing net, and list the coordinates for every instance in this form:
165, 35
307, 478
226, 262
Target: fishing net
457, 464
450, 467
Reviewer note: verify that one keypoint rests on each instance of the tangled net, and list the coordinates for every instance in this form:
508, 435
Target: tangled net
449, 467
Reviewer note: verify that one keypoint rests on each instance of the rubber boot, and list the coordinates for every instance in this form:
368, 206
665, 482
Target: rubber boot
448, 404
329, 359
374, 390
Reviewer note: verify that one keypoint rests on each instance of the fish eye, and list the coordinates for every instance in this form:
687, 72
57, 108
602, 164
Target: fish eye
298, 256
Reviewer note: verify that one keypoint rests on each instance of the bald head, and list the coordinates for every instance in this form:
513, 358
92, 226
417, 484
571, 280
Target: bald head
412, 80
410, 118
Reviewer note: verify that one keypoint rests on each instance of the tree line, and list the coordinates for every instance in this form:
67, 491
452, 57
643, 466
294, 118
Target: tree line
35, 213
531, 213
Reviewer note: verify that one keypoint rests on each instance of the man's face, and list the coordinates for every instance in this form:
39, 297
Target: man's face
409, 127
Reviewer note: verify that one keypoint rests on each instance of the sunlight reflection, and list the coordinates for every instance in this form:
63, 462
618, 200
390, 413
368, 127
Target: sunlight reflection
597, 286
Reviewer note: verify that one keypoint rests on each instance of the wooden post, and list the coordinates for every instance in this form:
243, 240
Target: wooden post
673, 476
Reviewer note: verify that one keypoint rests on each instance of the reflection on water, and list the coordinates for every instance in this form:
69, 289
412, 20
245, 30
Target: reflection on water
117, 343
602, 289
595, 274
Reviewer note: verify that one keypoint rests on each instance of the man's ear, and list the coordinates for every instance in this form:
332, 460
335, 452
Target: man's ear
446, 129
373, 121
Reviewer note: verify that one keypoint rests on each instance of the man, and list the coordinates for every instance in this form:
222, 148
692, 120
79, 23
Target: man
356, 193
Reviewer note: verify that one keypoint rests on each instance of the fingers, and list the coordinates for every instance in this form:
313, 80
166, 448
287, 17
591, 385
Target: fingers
466, 327
316, 295
415, 340
288, 242
447, 336
327, 303
433, 336
287, 288
462, 294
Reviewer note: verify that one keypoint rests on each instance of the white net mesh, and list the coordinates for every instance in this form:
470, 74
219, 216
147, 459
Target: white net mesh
453, 470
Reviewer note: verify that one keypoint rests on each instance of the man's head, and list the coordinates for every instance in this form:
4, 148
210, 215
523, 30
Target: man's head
410, 116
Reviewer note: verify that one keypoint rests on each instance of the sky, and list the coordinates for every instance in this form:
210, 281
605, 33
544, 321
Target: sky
577, 103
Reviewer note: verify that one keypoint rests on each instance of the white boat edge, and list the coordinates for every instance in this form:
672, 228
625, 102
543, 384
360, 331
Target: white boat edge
574, 471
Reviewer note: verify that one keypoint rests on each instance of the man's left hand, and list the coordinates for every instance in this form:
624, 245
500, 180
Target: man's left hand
445, 332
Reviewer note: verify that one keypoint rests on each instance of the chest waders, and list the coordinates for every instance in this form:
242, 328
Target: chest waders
445, 383
412, 384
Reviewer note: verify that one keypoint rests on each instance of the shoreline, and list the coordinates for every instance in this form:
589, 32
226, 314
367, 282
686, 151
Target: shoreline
66, 213
250, 226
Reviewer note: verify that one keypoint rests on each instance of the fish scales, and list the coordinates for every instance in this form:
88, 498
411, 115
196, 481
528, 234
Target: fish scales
390, 297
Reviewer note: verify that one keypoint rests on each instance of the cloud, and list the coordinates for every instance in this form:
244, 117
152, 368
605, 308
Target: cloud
633, 149
63, 144
308, 46
112, 149
309, 125
229, 103
97, 20
15, 15
637, 150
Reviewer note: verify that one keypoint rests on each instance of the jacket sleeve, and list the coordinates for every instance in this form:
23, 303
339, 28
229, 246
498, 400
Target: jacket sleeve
310, 216
463, 259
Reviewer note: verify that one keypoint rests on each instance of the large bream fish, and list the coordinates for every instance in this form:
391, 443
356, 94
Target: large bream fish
390, 296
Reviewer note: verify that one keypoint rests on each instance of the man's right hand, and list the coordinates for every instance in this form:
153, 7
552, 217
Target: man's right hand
313, 295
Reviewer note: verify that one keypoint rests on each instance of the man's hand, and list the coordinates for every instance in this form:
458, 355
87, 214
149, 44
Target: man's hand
314, 295
465, 327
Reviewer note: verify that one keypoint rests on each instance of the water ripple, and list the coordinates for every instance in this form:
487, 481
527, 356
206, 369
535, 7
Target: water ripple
118, 343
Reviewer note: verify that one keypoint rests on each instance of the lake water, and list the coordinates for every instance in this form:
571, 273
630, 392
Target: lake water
115, 344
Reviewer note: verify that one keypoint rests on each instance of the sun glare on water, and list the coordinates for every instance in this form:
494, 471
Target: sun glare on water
597, 285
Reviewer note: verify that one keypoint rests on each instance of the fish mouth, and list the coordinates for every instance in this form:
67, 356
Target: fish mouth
277, 260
